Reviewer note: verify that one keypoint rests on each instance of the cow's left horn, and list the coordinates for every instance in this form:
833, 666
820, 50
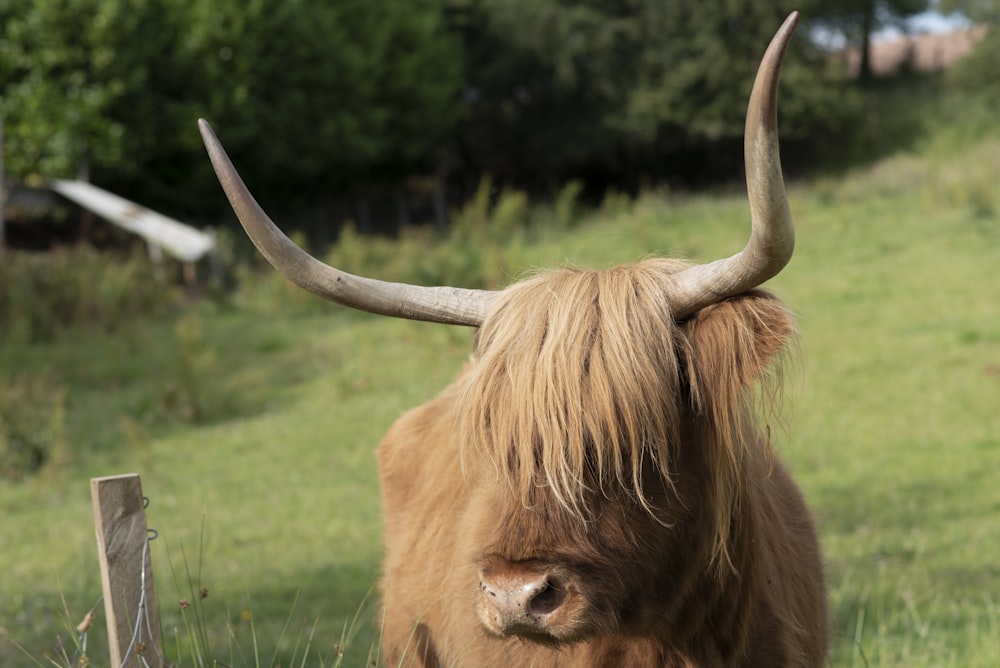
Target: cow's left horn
453, 306
772, 236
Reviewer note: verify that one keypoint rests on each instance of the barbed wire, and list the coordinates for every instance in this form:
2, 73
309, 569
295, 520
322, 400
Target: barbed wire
142, 615
142, 621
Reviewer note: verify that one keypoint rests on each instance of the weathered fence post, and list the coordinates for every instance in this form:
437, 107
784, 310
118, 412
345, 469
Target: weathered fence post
126, 572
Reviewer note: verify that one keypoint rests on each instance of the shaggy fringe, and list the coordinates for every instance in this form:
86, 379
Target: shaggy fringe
582, 379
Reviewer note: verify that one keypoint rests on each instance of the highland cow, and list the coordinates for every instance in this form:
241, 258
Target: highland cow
597, 487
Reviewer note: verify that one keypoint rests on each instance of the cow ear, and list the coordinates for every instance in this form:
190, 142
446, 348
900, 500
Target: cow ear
733, 344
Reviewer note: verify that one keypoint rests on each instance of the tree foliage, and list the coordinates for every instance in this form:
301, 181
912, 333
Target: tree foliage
68, 69
307, 95
316, 98
625, 86
316, 95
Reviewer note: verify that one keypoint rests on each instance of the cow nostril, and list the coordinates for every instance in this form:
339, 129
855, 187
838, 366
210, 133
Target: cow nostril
548, 599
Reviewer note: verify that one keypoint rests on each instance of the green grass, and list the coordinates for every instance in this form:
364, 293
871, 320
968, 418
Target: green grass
253, 426
897, 433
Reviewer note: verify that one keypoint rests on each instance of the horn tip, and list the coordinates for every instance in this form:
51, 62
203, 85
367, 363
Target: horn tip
205, 129
784, 33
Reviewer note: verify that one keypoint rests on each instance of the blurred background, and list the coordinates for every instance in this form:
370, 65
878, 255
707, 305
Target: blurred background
460, 142
389, 113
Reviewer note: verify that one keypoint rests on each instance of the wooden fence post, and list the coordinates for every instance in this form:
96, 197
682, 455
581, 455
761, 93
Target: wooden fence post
126, 572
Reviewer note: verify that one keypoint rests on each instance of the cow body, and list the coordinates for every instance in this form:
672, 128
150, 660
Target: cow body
652, 586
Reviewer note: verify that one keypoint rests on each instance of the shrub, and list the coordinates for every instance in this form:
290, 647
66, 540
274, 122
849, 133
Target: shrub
32, 425
47, 292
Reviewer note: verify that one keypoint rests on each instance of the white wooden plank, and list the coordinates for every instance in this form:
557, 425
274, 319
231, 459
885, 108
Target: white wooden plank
184, 242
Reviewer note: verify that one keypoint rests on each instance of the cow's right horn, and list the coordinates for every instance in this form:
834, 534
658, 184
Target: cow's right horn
453, 306
772, 236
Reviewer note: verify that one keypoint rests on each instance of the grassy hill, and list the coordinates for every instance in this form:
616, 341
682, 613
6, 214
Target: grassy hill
253, 421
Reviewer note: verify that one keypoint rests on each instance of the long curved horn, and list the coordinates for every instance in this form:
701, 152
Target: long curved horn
452, 306
772, 236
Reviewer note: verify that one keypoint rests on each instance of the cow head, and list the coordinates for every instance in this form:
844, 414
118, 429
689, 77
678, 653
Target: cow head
601, 407
599, 432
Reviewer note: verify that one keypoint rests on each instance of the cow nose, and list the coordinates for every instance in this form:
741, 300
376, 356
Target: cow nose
519, 601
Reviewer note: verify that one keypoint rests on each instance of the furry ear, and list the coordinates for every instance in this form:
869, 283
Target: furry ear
727, 348
731, 345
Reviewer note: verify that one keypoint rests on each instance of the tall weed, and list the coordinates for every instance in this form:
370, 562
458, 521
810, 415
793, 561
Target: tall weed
567, 204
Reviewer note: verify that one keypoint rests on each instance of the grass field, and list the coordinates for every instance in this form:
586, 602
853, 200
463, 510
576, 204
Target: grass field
253, 424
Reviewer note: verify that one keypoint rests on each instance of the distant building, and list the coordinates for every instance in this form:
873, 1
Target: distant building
918, 53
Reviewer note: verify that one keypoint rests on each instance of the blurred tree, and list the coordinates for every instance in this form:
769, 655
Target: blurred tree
306, 95
626, 87
66, 68
311, 96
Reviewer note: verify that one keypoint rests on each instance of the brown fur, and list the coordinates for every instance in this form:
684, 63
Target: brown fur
593, 438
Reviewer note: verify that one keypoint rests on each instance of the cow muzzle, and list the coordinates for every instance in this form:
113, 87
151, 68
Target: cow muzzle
527, 600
